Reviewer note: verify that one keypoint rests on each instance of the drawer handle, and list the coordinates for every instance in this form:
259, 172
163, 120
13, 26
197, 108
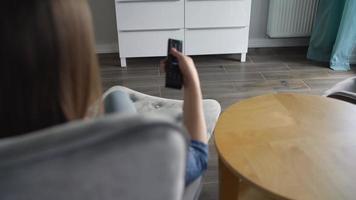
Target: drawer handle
213, 28
146, 30
143, 1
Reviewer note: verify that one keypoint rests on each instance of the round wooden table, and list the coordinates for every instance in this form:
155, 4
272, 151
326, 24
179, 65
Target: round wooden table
289, 146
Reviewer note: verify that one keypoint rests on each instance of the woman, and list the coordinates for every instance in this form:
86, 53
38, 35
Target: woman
49, 73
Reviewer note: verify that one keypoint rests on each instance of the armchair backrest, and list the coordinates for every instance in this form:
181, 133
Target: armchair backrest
115, 157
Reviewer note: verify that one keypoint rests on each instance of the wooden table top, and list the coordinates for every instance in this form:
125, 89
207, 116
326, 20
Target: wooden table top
293, 146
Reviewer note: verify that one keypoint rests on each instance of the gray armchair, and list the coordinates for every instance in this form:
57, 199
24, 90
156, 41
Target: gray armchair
146, 104
114, 157
344, 90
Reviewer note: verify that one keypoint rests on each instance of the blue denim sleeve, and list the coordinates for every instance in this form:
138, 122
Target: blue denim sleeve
197, 161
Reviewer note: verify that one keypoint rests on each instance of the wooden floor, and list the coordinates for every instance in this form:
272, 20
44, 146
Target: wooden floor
224, 78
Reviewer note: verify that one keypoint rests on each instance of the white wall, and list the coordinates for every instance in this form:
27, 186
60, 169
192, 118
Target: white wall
106, 34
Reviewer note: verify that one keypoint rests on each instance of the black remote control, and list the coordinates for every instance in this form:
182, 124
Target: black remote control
174, 78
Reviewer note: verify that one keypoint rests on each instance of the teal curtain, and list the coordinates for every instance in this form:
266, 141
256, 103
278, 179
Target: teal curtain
334, 33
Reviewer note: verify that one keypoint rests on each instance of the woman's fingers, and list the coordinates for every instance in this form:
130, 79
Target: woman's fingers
184, 61
176, 54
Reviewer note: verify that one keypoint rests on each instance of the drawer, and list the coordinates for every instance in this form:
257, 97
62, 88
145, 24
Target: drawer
217, 13
146, 43
149, 15
216, 41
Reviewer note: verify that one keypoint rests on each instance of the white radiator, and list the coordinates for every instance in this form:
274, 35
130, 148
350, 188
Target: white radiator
291, 18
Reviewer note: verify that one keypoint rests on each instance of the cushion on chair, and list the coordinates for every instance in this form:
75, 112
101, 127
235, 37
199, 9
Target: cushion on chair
114, 157
150, 104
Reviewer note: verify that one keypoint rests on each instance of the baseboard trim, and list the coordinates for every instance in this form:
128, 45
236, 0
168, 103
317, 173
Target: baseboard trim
266, 42
253, 43
107, 48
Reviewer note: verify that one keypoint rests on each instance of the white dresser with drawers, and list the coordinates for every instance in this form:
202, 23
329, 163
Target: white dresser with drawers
205, 26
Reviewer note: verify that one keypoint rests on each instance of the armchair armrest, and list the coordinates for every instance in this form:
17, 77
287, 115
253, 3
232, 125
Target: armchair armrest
344, 96
345, 86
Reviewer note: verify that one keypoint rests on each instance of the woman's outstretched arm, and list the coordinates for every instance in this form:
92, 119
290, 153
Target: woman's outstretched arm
197, 160
193, 104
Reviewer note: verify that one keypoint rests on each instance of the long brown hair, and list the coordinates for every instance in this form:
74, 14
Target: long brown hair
48, 66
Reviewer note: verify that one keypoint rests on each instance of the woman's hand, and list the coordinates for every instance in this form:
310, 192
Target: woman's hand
188, 69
